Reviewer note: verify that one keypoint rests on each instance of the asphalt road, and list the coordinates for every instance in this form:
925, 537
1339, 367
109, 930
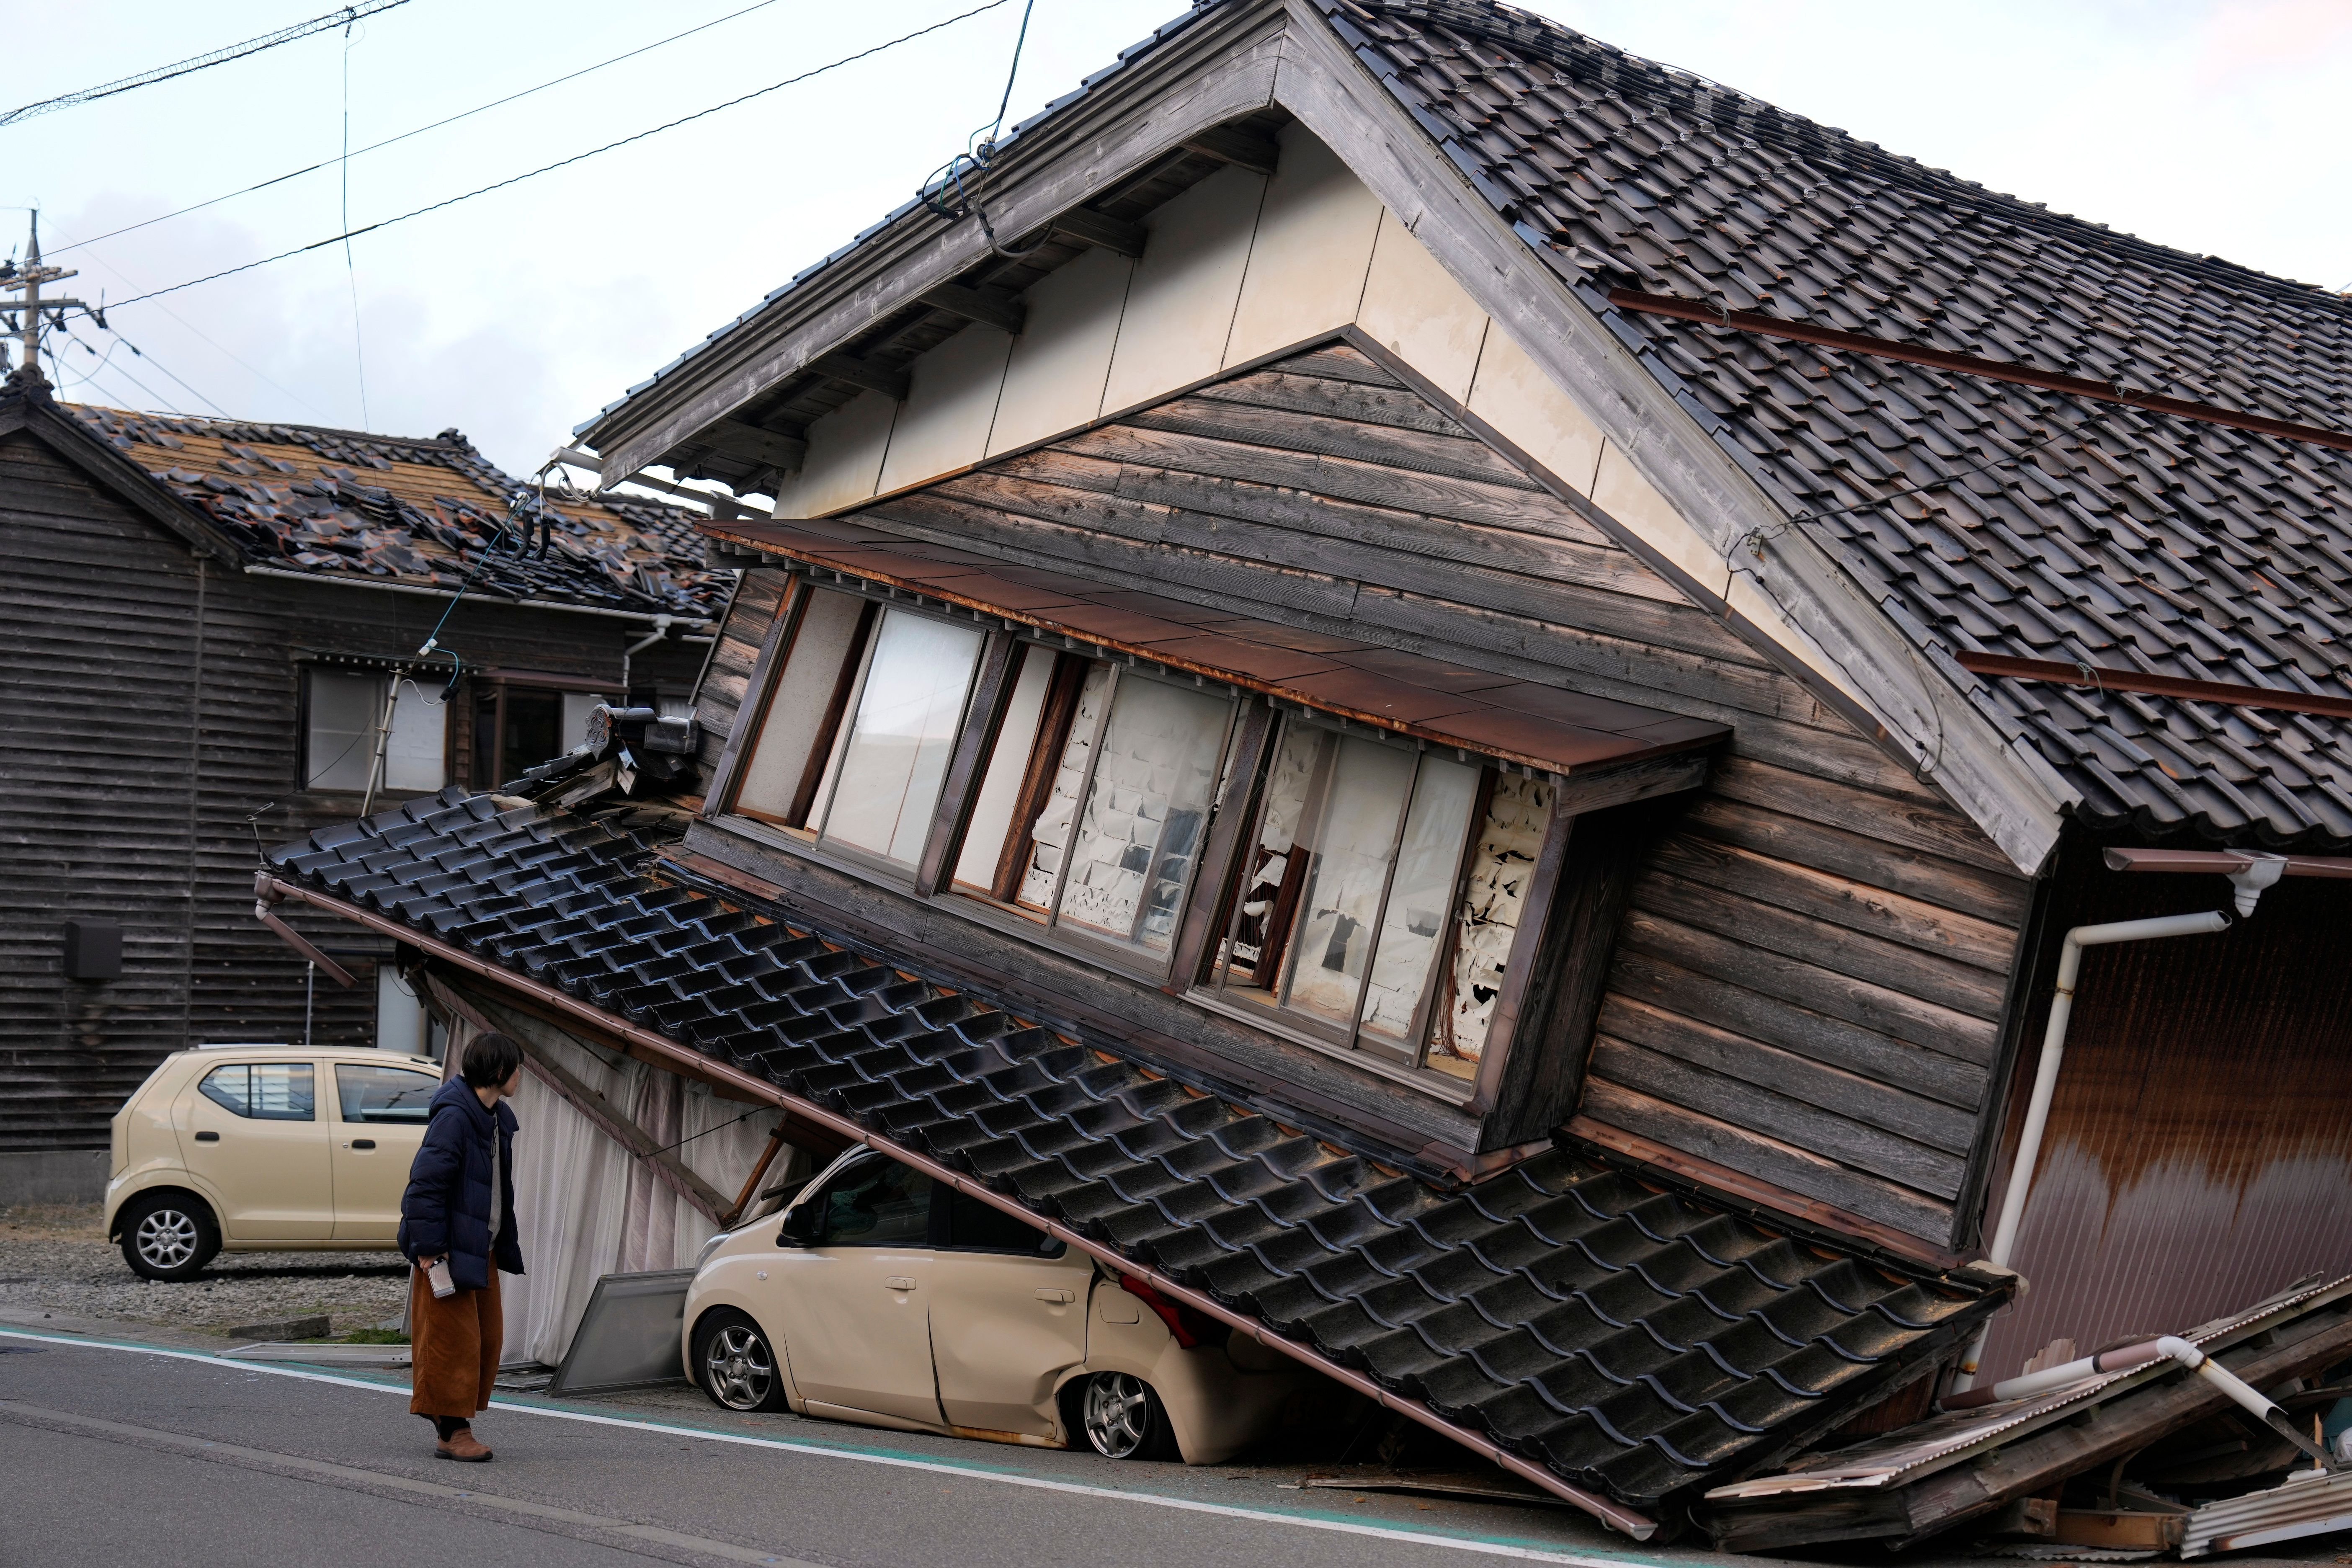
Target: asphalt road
124, 1457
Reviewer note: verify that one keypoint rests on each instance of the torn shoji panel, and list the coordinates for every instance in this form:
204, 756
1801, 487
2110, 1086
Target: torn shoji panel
1494, 898
1051, 837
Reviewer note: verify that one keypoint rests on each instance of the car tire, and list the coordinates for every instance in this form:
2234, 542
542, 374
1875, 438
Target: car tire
1121, 1417
736, 1363
168, 1236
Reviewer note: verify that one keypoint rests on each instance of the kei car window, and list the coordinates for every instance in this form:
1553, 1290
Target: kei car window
265, 1091
385, 1094
881, 1204
974, 1227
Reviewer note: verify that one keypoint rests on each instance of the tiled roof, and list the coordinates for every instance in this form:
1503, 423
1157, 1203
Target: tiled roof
342, 503
1637, 1341
2051, 527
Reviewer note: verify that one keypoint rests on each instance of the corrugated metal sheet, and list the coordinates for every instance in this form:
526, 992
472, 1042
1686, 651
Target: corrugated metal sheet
2201, 1144
2312, 1504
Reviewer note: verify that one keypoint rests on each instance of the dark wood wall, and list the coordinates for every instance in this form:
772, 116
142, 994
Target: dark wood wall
1808, 987
153, 708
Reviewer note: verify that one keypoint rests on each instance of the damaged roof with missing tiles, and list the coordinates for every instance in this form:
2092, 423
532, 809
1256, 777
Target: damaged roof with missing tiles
1637, 1341
1980, 516
357, 507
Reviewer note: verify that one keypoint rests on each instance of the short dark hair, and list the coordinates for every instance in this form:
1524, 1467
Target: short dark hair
492, 1059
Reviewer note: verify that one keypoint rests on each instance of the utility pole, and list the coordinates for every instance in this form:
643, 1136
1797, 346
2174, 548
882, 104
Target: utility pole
23, 316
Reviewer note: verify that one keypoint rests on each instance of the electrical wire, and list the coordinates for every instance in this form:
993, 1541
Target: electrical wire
99, 318
421, 129
575, 158
350, 269
978, 157
124, 373
351, 13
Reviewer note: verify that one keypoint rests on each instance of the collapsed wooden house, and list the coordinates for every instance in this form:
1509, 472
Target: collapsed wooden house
209, 621
1547, 632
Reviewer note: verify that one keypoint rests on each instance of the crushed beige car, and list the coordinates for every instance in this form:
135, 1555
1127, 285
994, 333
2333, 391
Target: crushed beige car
265, 1149
882, 1298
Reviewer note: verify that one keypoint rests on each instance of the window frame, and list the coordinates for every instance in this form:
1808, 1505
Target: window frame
379, 677
250, 1114
490, 687
1211, 985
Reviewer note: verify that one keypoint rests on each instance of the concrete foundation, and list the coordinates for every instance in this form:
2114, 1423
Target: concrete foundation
53, 1177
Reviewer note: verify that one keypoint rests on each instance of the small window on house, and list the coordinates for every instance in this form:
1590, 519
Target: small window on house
1096, 801
343, 711
860, 724
518, 726
1349, 894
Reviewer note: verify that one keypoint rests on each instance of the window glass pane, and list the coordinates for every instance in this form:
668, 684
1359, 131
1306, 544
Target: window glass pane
339, 747
385, 1094
1141, 826
1494, 898
534, 730
974, 1227
777, 779
897, 755
1050, 834
882, 1204
1414, 920
415, 754
267, 1091
1008, 766
1349, 848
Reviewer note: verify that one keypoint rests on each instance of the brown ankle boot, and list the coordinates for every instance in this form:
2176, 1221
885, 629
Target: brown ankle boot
463, 1447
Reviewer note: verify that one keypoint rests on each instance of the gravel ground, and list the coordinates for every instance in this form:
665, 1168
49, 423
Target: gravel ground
56, 1259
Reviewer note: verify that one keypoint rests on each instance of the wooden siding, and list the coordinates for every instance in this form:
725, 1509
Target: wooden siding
154, 707
1810, 978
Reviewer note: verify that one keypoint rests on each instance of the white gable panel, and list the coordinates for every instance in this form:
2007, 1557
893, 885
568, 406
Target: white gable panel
1180, 309
951, 403
1060, 360
1313, 247
1414, 309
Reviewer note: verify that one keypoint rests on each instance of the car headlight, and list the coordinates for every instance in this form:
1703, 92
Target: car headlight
709, 1248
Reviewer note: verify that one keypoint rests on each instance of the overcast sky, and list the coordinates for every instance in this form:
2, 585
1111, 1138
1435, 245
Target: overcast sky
2218, 126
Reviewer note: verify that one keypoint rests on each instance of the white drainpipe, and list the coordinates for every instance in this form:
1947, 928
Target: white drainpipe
2249, 882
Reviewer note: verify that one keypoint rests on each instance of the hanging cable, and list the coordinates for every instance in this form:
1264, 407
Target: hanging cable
349, 153
575, 158
975, 160
351, 13
350, 269
97, 318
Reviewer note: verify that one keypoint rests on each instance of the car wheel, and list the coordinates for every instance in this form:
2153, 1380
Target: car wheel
1123, 1419
736, 1365
168, 1236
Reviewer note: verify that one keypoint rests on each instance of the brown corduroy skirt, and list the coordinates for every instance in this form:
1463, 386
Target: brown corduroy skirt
453, 1348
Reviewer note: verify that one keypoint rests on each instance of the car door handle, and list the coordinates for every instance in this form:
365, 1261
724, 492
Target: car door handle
897, 1283
1058, 1298
207, 1137
361, 1143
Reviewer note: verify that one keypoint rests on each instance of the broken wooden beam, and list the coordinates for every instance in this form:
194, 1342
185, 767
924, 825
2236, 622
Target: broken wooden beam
989, 307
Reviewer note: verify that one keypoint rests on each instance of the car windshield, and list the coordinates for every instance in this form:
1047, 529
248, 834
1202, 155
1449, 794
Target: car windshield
879, 1204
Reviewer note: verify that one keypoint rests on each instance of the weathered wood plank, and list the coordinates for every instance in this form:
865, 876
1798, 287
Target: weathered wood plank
1393, 407
1942, 981
1455, 456
1637, 977
1923, 822
1782, 1165
1815, 991
1854, 905
1864, 859
1341, 363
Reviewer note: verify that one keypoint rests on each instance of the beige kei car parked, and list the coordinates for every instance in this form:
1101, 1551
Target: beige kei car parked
263, 1149
880, 1297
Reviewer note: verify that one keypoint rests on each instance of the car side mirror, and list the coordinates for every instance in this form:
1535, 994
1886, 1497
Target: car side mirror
803, 1225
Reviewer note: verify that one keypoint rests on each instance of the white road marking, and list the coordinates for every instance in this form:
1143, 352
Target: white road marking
897, 1461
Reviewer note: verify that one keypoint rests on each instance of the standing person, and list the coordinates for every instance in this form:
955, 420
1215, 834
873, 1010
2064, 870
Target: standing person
459, 1209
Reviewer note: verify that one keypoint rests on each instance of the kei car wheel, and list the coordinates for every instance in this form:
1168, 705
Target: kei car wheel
168, 1236
1123, 1419
736, 1365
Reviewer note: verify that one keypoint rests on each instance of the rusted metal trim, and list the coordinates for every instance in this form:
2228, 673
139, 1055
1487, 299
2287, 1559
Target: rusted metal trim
2221, 862
1140, 653
2099, 677
1969, 364
1639, 1526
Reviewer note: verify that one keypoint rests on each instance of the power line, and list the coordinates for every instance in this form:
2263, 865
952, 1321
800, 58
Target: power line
124, 373
566, 162
349, 13
419, 131
351, 269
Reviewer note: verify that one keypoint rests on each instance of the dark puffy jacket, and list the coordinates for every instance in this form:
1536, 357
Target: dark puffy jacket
446, 1210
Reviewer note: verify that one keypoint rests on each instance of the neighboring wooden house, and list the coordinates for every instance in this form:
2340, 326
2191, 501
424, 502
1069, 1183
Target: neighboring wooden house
204, 619
1466, 592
